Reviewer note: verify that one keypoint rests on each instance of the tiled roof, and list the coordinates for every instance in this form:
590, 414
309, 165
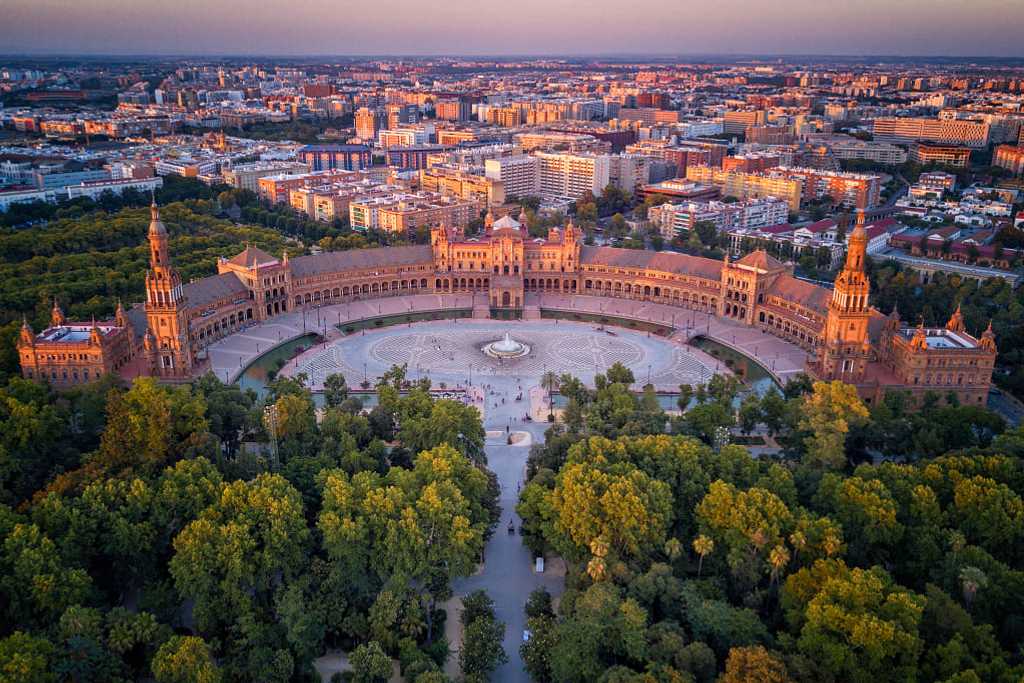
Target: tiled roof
250, 256
812, 296
681, 264
360, 259
820, 226
214, 288
761, 260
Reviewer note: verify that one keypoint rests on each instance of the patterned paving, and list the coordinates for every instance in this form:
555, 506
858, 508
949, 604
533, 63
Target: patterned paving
449, 351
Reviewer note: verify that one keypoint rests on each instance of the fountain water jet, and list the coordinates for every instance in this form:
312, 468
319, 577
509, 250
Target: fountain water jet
505, 348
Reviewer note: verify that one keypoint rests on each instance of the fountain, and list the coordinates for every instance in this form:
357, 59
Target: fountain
506, 348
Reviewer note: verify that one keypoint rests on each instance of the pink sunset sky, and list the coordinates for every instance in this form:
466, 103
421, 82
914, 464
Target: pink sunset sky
502, 27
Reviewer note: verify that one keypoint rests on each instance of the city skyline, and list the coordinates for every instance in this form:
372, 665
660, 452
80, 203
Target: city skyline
649, 27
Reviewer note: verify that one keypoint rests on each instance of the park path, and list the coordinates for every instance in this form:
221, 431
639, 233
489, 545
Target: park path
508, 575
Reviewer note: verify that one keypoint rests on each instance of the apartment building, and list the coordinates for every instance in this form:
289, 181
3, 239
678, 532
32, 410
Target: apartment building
246, 176
456, 182
629, 172
749, 185
569, 176
674, 220
878, 152
945, 131
854, 190
1010, 157
737, 122
944, 155
520, 175
405, 213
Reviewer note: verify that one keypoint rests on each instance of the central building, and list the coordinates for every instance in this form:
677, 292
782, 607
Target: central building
845, 338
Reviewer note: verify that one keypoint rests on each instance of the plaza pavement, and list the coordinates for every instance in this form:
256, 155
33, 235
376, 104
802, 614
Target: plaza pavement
780, 358
228, 357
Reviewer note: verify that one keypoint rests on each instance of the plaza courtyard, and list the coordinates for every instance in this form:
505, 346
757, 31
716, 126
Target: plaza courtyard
450, 352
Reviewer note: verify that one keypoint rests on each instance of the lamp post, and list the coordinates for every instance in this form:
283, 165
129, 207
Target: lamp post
270, 412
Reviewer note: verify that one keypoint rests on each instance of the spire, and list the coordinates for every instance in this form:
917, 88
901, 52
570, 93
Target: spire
956, 321
895, 312
27, 336
156, 226
522, 217
56, 314
284, 258
94, 333
920, 340
856, 249
119, 315
988, 338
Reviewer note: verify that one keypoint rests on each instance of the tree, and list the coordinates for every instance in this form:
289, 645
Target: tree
481, 651
703, 546
857, 624
749, 413
685, 396
972, 579
27, 658
828, 413
370, 664
240, 548
38, 583
425, 525
185, 659
442, 422
617, 504
620, 374
753, 665
335, 390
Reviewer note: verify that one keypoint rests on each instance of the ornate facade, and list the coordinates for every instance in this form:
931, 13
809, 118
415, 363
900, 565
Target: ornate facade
845, 337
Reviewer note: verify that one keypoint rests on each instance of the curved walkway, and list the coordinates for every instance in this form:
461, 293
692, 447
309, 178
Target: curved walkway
782, 359
229, 357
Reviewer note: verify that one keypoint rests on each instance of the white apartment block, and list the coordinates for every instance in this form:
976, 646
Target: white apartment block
246, 176
93, 190
673, 220
568, 176
697, 129
878, 152
629, 172
519, 174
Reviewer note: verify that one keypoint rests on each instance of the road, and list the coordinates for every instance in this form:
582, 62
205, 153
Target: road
508, 575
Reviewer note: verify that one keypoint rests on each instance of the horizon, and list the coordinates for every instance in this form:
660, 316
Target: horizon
541, 28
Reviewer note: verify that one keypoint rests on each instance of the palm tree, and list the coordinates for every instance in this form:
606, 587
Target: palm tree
703, 546
549, 380
778, 558
972, 579
798, 541
831, 544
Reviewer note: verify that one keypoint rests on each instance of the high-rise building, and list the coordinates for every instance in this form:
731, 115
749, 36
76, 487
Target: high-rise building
569, 176
368, 122
520, 175
737, 122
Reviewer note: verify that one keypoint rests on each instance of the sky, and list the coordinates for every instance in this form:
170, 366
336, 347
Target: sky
513, 27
